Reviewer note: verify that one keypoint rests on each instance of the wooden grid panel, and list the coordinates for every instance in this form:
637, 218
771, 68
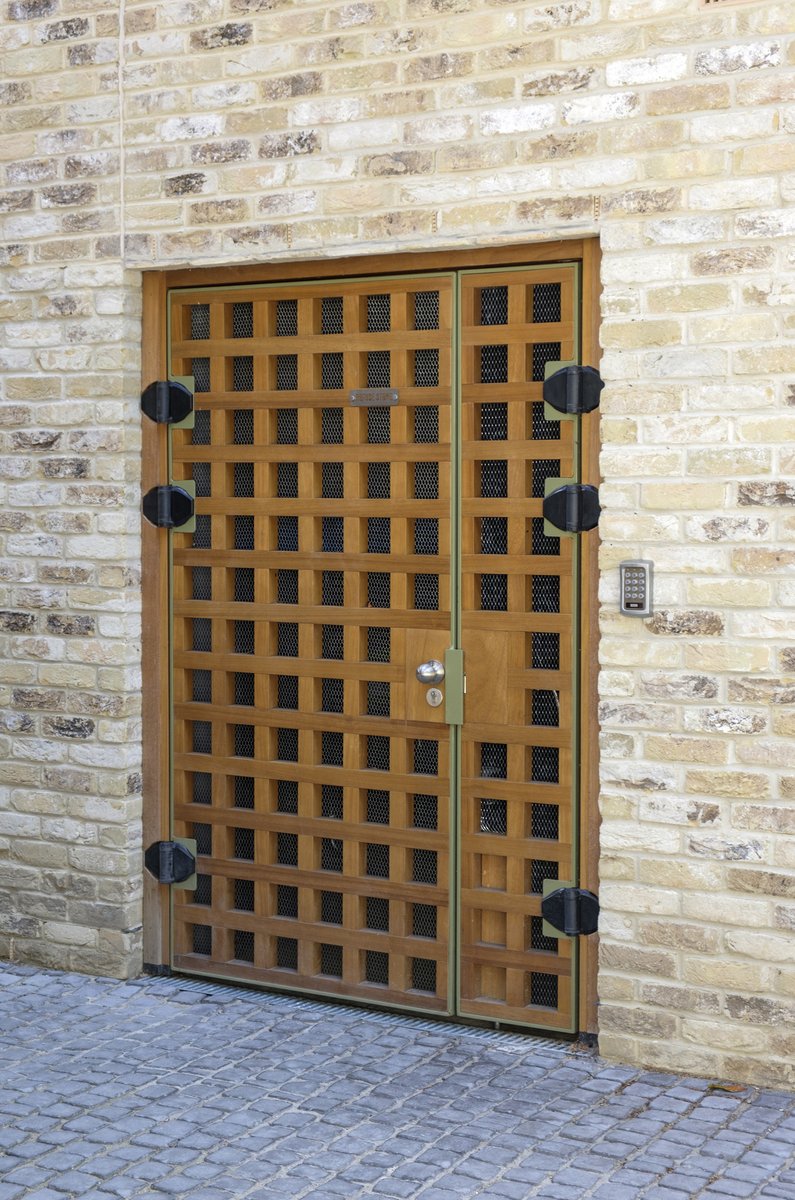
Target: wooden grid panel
306, 765
517, 636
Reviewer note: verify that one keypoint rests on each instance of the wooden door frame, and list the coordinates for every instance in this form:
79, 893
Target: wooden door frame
154, 556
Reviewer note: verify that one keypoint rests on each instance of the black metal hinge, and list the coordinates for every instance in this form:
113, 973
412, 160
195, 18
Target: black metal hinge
168, 506
573, 508
573, 390
170, 862
571, 910
166, 402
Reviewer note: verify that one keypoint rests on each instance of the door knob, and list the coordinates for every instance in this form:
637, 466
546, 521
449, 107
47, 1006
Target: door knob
431, 671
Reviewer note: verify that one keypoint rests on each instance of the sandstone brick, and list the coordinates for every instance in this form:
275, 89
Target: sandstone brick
735, 784
678, 936
664, 622
731, 262
677, 748
776, 492
745, 57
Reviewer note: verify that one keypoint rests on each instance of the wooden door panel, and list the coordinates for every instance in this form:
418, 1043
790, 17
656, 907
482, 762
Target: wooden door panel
518, 637
307, 764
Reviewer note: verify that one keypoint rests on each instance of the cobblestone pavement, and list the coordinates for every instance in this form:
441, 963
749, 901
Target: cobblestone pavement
183, 1088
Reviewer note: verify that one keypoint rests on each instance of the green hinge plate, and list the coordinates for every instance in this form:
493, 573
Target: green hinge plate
550, 413
551, 483
190, 421
189, 486
547, 887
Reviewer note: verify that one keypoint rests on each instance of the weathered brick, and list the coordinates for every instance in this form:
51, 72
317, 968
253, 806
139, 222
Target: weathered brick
704, 624
234, 33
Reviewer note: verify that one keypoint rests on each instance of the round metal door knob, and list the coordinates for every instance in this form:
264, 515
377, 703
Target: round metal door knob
431, 671
434, 697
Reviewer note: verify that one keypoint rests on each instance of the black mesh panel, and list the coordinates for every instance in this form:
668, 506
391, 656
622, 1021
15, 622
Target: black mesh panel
244, 533
286, 426
426, 310
287, 745
425, 757
331, 802
287, 639
378, 754
243, 319
332, 535
493, 760
286, 372
332, 695
287, 796
543, 990
494, 422
544, 352
331, 908
243, 427
244, 585
287, 953
493, 364
244, 637
199, 321
243, 791
202, 788
286, 901
331, 424
379, 540
331, 749
546, 593
378, 589
546, 303
287, 691
377, 807
377, 914
287, 849
286, 318
243, 741
494, 817
287, 587
544, 764
426, 425
332, 639
242, 373
544, 821
244, 688
377, 698
331, 314
378, 644
287, 533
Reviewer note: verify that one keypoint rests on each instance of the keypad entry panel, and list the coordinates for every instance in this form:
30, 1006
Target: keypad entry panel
308, 764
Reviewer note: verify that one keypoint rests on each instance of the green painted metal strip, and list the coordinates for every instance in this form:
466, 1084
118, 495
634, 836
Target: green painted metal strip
454, 686
455, 703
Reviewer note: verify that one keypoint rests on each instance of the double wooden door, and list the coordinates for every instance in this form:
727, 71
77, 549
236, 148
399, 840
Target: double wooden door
370, 458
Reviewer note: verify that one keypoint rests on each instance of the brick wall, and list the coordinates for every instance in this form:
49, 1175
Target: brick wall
260, 129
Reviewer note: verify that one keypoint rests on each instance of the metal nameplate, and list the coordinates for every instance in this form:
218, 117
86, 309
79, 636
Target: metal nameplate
373, 397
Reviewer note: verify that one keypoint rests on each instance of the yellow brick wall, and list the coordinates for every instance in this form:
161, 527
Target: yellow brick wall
223, 131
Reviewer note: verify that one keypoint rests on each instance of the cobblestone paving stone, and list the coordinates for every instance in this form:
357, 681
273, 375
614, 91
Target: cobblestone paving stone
181, 1088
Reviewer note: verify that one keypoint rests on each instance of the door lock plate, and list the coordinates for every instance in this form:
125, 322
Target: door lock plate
434, 697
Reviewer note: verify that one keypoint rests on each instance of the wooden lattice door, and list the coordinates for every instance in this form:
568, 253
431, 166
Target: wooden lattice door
352, 522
